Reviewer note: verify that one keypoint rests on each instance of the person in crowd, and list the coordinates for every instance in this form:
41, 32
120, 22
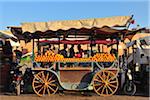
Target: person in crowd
71, 55
64, 51
24, 51
71, 51
80, 52
47, 49
99, 48
55, 50
50, 47
114, 51
18, 54
7, 50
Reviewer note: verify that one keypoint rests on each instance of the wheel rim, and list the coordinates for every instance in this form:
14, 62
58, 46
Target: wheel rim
129, 90
105, 83
45, 83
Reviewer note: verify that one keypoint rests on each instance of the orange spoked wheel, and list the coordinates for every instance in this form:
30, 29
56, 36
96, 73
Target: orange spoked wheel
105, 83
45, 83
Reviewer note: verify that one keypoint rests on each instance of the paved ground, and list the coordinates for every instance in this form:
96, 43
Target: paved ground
70, 96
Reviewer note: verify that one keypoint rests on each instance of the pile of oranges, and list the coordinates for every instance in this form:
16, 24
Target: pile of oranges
104, 57
51, 57
75, 60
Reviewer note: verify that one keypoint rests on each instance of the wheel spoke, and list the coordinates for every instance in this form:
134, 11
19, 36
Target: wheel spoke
112, 85
98, 80
51, 88
36, 81
52, 85
106, 91
47, 76
43, 76
104, 75
108, 76
51, 81
97, 84
101, 78
110, 89
44, 89
111, 78
99, 87
50, 78
48, 91
113, 81
41, 89
103, 89
37, 86
38, 77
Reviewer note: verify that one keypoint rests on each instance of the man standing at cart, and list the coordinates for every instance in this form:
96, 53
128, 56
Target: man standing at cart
18, 55
64, 51
114, 51
80, 52
71, 51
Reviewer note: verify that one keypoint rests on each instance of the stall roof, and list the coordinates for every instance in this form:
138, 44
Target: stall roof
79, 42
99, 28
77, 24
137, 36
6, 34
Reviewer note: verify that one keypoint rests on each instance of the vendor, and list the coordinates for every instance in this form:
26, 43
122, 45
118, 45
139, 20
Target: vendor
80, 52
114, 51
64, 51
71, 51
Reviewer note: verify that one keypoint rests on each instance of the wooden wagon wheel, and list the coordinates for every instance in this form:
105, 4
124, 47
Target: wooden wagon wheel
105, 83
45, 83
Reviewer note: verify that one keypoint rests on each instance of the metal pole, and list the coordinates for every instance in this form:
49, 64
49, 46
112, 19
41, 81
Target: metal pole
33, 51
102, 48
88, 50
59, 44
99, 49
91, 45
117, 48
38, 47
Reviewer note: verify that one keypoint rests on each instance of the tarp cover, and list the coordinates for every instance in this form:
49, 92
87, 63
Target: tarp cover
6, 34
77, 24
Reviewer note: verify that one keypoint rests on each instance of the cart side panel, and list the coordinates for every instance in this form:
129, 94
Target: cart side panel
73, 76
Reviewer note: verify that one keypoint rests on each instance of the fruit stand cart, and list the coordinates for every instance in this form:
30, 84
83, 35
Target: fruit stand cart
98, 71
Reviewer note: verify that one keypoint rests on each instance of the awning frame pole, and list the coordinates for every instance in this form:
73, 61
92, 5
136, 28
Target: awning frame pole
39, 49
91, 44
33, 51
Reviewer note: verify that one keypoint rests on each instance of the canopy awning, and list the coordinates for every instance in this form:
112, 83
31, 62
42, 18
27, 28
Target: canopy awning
138, 36
79, 42
96, 28
76, 24
6, 34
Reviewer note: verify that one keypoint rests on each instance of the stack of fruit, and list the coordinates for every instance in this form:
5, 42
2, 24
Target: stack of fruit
51, 57
48, 57
103, 57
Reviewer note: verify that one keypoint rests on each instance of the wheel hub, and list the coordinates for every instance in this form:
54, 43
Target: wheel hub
106, 83
46, 83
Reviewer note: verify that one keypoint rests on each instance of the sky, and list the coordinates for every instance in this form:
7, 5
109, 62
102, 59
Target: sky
14, 12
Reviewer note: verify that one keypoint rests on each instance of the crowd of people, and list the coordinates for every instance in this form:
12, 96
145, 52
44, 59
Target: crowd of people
72, 53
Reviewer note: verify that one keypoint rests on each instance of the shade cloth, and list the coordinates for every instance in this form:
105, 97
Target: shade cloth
6, 34
77, 24
79, 42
